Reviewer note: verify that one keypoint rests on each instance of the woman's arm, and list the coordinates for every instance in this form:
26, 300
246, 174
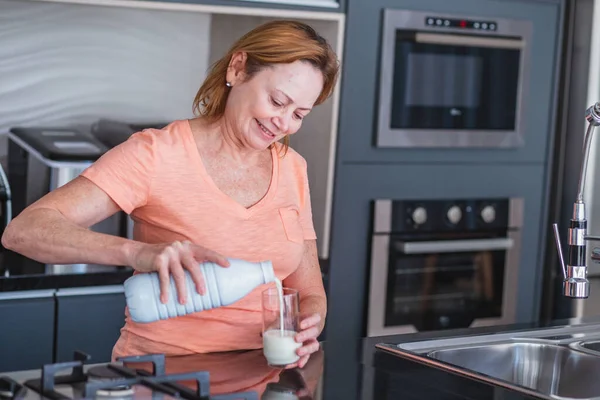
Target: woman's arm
55, 230
307, 279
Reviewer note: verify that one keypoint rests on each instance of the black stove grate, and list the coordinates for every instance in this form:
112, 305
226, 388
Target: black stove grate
118, 378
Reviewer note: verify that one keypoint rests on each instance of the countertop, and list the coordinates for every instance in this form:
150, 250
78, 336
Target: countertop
73, 277
112, 276
19, 273
382, 376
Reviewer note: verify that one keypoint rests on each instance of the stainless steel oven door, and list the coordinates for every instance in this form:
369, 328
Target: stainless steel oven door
430, 285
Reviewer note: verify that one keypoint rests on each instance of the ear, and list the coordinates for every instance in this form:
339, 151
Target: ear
237, 67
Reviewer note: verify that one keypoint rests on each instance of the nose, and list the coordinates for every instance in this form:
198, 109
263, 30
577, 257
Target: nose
282, 122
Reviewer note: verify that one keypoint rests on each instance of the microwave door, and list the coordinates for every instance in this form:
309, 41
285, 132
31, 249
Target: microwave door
453, 82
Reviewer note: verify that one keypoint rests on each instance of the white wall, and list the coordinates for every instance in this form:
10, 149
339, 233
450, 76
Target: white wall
72, 64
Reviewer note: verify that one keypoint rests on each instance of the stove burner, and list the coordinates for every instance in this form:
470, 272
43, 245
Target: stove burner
117, 391
110, 388
6, 393
107, 374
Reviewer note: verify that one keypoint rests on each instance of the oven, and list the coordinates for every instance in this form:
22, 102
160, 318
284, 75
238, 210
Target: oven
452, 81
443, 264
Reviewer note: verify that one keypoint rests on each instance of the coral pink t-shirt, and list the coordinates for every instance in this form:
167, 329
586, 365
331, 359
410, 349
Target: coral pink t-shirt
158, 177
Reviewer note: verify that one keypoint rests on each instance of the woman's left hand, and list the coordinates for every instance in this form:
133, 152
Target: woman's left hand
309, 331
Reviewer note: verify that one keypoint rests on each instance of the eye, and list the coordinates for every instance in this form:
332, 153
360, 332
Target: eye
276, 103
299, 116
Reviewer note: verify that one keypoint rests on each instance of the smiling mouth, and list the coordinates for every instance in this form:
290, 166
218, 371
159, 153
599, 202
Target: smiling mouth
264, 129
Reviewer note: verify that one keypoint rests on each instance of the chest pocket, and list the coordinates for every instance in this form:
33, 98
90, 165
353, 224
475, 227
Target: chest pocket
291, 224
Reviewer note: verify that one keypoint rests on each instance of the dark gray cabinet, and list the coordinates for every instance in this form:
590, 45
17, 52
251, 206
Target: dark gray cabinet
27, 333
88, 319
364, 172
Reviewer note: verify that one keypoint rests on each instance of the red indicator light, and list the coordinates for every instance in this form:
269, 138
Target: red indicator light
463, 24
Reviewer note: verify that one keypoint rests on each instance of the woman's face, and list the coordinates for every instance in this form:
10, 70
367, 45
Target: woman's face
271, 104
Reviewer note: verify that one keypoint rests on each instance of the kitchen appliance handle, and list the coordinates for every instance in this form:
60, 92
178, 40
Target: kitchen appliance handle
436, 38
7, 204
451, 246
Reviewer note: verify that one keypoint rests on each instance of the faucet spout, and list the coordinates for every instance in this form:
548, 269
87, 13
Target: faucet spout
577, 285
575, 282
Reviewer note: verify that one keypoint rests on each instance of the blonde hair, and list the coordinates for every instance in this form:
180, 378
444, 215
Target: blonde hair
277, 42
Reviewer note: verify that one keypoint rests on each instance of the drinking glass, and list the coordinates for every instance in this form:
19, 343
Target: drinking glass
279, 345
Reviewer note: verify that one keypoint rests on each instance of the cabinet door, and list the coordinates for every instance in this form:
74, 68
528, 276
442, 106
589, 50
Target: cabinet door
89, 319
27, 333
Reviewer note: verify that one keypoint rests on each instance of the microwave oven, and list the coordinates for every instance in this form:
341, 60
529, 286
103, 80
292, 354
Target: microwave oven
452, 81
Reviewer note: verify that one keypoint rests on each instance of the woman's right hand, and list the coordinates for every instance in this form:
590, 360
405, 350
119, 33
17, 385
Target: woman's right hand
172, 259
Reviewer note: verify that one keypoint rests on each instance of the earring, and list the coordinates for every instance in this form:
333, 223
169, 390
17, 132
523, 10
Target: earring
227, 84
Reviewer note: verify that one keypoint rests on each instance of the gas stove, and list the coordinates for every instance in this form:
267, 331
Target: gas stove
113, 381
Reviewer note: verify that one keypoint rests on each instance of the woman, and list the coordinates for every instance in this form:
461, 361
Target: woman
214, 187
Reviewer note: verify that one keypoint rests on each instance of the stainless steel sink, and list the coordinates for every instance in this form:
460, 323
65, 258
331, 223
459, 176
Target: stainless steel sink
552, 363
590, 346
551, 369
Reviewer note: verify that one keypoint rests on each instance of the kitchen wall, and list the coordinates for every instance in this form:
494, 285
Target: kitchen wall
73, 64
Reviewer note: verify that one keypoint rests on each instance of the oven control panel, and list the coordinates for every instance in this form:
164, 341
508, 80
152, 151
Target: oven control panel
460, 23
450, 215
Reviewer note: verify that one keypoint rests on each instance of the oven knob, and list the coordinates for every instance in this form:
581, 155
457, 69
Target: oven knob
488, 214
419, 216
454, 215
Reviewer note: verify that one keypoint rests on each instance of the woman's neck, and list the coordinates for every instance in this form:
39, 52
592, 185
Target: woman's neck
219, 137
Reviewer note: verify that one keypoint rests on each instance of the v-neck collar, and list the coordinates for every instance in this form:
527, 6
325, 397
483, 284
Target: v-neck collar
239, 208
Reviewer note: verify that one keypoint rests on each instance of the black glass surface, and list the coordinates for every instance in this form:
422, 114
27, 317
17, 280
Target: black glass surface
444, 290
453, 86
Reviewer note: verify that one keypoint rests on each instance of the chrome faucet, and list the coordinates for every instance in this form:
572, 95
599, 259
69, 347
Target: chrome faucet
575, 283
